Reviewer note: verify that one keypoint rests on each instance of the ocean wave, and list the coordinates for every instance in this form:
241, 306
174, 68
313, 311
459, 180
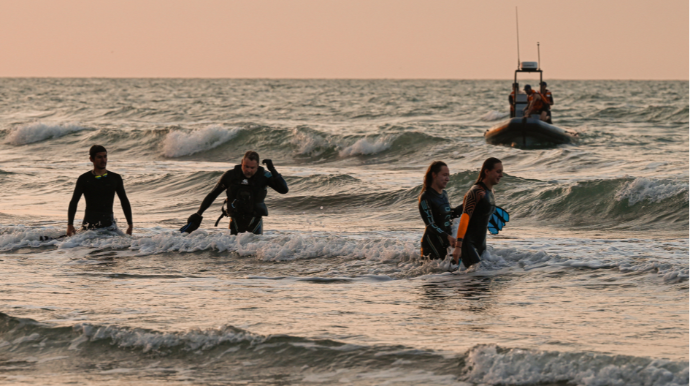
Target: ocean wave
20, 236
632, 203
495, 365
367, 146
178, 143
481, 364
646, 189
37, 132
308, 143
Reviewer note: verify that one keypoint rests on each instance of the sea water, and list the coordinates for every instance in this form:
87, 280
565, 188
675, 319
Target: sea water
586, 285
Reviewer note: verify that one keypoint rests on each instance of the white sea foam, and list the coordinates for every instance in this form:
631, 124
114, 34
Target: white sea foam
149, 341
36, 132
307, 143
668, 260
179, 143
364, 146
490, 365
15, 237
647, 189
494, 116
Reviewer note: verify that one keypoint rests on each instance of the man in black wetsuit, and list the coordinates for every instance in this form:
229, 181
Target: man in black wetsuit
246, 189
98, 187
478, 206
436, 212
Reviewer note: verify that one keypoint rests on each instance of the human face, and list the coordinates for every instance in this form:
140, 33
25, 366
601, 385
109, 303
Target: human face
542, 88
249, 167
100, 160
441, 178
494, 176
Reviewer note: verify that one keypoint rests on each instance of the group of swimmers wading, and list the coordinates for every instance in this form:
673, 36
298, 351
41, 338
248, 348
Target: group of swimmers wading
246, 186
475, 212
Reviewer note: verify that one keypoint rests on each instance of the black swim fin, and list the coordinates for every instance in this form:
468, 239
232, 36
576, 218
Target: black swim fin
498, 220
193, 223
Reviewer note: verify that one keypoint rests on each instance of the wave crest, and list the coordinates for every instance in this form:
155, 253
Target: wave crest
645, 189
365, 146
494, 365
178, 143
37, 132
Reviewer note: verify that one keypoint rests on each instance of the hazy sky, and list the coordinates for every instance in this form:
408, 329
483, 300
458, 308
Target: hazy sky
458, 39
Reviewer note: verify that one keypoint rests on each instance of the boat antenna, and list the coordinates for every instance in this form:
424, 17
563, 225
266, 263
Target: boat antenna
517, 30
538, 57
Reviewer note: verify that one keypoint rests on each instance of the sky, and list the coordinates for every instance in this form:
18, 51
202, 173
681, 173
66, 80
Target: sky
354, 39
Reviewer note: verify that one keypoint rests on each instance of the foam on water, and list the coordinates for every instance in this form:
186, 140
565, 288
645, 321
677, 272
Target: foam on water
179, 143
668, 261
365, 146
652, 190
494, 365
38, 131
308, 143
20, 236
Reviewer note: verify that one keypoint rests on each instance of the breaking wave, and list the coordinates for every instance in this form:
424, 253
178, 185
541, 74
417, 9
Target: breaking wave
481, 364
178, 143
37, 132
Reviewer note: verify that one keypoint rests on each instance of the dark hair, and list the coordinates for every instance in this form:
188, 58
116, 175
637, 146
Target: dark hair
252, 156
542, 84
435, 167
95, 149
489, 164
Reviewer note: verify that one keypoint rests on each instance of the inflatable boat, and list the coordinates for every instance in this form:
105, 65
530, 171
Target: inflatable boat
529, 131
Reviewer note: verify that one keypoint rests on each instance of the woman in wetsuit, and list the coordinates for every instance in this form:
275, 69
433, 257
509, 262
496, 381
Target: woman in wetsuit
436, 212
478, 206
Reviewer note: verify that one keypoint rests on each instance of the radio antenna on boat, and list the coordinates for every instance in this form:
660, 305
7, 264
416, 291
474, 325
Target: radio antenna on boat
538, 57
517, 30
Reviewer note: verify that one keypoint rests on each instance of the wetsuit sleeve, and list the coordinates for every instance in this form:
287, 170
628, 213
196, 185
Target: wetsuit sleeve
428, 217
76, 196
217, 190
124, 201
277, 182
470, 202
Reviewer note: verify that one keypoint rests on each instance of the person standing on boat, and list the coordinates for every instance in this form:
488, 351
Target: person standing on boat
477, 208
547, 99
536, 104
511, 99
436, 212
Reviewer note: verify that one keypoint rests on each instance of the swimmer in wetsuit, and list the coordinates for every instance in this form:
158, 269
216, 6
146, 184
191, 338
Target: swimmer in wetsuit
246, 190
478, 206
98, 187
436, 212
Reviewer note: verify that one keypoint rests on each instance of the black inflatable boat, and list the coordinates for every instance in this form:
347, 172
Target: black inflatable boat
529, 131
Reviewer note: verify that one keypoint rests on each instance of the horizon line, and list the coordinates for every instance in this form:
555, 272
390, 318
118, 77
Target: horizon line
300, 78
